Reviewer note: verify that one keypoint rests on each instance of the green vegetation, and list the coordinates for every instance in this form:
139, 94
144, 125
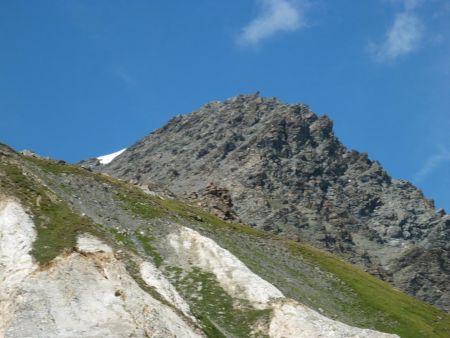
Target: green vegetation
217, 310
57, 228
146, 242
137, 206
123, 238
396, 312
55, 167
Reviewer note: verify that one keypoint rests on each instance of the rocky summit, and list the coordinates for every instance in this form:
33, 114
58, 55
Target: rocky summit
279, 167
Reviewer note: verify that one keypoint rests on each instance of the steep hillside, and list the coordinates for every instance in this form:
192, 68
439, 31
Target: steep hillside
83, 254
280, 168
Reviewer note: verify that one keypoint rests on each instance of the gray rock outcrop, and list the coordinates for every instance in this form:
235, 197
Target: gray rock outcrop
285, 171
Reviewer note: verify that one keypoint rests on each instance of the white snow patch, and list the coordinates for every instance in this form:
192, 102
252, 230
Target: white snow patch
291, 319
90, 244
16, 238
153, 277
232, 274
105, 159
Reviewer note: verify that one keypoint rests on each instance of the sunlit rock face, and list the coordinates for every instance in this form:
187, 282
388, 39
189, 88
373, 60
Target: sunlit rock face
16, 237
87, 293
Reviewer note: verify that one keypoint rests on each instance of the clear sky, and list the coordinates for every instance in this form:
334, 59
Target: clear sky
85, 78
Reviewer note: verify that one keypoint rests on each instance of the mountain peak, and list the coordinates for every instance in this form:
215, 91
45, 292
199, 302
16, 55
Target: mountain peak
285, 171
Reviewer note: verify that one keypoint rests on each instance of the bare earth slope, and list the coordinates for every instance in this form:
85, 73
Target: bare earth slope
280, 168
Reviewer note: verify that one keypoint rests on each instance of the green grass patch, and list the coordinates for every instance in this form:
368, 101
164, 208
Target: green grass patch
220, 314
146, 242
55, 167
140, 204
123, 238
57, 229
393, 310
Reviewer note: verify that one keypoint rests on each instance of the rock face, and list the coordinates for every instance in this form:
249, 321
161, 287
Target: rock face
91, 296
16, 237
218, 202
279, 167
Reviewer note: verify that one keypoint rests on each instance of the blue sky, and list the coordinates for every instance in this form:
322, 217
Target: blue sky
86, 78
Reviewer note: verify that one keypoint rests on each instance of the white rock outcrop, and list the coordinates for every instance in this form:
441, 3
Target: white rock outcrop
91, 296
154, 278
293, 320
16, 238
88, 293
90, 244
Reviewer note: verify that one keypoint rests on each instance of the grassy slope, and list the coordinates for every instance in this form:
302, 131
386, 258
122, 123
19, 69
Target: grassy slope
373, 303
56, 224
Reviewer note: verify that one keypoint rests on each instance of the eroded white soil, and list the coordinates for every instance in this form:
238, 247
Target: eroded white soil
153, 277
